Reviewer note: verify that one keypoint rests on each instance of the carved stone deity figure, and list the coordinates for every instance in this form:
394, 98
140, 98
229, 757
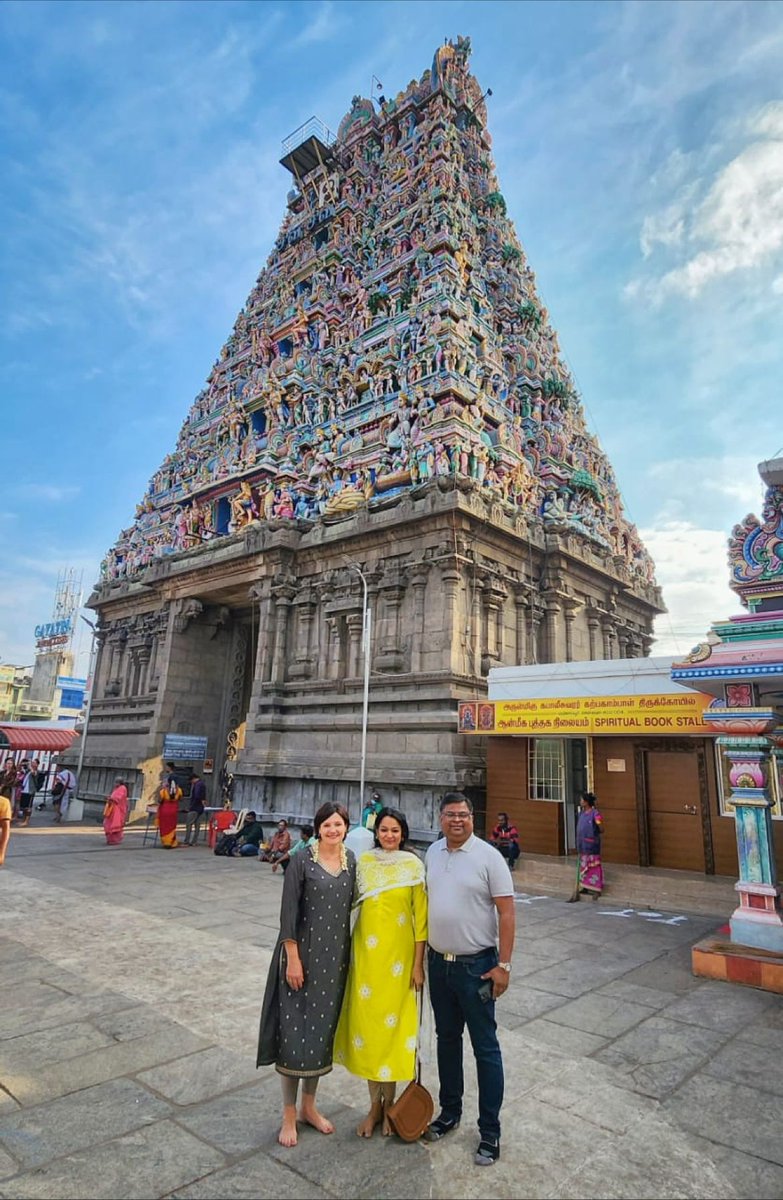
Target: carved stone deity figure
243, 507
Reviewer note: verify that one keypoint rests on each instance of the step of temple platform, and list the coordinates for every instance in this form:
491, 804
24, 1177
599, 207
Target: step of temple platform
633, 887
718, 958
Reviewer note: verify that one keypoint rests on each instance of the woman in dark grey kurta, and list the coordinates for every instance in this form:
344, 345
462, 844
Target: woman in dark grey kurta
298, 1023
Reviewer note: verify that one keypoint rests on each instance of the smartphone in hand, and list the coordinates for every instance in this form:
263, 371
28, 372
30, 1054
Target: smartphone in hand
486, 991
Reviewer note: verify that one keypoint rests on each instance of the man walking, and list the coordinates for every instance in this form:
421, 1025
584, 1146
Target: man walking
29, 788
471, 937
195, 814
67, 780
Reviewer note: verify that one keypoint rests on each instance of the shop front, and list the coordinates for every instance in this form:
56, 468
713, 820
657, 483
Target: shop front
624, 730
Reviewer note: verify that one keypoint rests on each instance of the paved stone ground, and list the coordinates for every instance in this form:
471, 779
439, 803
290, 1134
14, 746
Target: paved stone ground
131, 982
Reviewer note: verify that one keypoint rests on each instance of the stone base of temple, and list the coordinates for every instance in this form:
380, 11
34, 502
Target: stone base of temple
717, 958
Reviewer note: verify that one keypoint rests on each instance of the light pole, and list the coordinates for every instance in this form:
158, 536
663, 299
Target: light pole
366, 635
91, 686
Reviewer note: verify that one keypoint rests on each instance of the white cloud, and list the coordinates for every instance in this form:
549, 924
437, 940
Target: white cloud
707, 489
47, 491
322, 28
691, 567
665, 228
722, 222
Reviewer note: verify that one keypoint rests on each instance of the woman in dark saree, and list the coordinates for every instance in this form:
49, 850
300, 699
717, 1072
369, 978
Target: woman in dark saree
304, 989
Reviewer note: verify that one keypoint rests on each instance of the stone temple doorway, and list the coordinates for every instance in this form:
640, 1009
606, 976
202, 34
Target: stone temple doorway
209, 681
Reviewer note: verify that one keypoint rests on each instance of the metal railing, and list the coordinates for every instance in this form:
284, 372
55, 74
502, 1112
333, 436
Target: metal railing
312, 128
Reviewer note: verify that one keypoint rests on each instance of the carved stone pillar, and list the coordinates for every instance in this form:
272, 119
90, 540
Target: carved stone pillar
758, 921
354, 621
301, 666
144, 653
536, 618
570, 609
494, 596
608, 632
418, 581
476, 630
262, 601
595, 643
283, 595
388, 655
551, 615
333, 646
521, 607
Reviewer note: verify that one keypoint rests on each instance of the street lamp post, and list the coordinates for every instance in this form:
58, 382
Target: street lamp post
91, 685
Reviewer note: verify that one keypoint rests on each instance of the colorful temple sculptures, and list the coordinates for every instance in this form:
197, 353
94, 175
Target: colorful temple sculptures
741, 663
391, 412
394, 337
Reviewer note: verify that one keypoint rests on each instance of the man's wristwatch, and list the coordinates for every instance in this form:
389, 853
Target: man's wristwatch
506, 967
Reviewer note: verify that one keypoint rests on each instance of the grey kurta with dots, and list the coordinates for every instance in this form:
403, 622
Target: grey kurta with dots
297, 1028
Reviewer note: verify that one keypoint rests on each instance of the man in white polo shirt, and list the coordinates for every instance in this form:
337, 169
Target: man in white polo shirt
471, 936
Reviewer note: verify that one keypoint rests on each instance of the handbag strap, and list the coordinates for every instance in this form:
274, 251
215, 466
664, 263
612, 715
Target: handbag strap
418, 1035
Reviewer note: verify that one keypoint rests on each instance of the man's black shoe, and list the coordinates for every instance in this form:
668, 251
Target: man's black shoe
440, 1127
488, 1152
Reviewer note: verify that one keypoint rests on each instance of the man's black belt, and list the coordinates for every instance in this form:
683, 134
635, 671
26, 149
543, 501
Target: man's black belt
464, 958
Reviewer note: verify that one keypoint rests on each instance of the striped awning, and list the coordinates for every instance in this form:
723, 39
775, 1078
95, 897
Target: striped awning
21, 736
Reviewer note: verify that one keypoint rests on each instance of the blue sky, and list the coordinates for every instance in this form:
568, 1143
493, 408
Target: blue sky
640, 150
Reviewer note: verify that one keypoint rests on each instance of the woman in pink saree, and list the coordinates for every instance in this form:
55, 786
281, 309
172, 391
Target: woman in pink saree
115, 813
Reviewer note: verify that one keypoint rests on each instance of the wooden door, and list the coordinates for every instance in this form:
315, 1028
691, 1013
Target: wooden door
674, 819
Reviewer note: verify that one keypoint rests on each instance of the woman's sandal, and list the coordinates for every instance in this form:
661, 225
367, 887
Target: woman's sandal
440, 1127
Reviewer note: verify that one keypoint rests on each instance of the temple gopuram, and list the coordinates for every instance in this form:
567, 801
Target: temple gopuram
389, 426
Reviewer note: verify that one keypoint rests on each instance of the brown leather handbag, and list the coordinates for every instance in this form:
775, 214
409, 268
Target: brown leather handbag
412, 1111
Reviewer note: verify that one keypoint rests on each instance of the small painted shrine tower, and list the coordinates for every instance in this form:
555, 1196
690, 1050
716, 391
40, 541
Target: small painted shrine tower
389, 410
741, 663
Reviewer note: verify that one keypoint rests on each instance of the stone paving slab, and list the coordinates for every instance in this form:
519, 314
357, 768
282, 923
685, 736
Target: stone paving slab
649, 1150
709, 1007
35, 1136
256, 1178
141, 1165
747, 1175
729, 1114
659, 1055
237, 1122
8, 1165
625, 1075
744, 1062
198, 1076
110, 1062
607, 1016
562, 1037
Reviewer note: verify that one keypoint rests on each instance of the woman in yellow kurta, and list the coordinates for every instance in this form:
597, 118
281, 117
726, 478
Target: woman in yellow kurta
378, 1027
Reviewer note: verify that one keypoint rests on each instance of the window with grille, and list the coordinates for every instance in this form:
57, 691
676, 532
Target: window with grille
546, 773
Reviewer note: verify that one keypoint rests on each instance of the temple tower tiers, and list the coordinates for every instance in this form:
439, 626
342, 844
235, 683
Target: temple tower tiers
390, 409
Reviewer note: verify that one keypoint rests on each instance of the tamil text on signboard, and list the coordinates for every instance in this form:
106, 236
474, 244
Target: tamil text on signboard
588, 715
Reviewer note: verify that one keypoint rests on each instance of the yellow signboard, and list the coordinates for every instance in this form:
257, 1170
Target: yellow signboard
587, 716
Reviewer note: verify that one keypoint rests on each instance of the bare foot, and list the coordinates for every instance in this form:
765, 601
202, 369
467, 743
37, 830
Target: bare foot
373, 1118
288, 1135
387, 1130
312, 1117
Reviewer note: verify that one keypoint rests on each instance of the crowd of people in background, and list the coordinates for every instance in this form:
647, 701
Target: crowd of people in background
21, 782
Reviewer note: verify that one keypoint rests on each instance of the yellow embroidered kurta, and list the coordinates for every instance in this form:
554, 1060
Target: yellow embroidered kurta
378, 1026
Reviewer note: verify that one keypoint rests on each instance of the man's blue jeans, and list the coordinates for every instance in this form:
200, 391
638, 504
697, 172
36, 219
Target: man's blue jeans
454, 992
